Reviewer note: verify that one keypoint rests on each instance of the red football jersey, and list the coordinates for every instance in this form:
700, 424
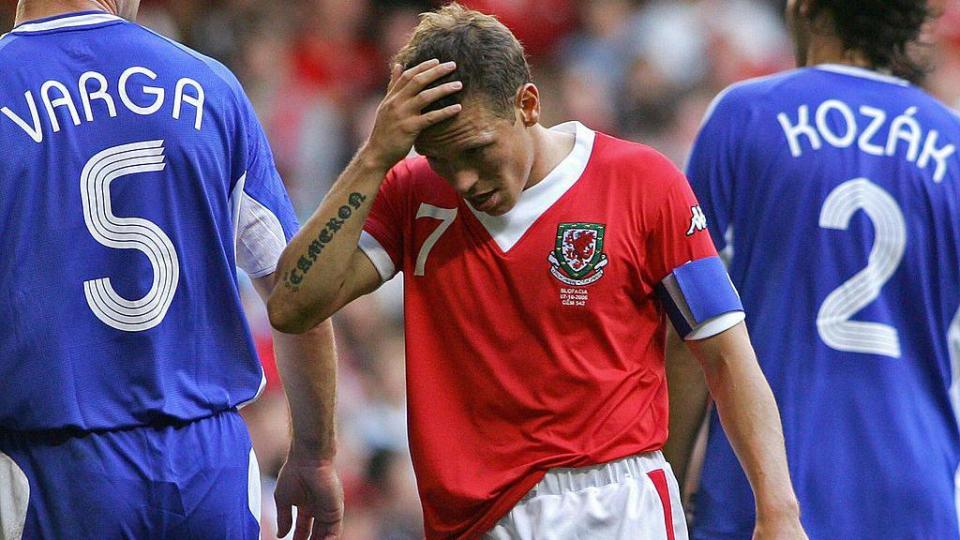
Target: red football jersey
534, 339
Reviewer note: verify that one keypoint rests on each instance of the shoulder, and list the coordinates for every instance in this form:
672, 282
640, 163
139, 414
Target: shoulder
644, 180
632, 162
946, 115
178, 52
646, 183
739, 116
752, 93
7, 39
742, 98
11, 52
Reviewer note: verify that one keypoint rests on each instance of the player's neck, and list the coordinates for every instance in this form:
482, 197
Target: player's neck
551, 148
830, 50
30, 10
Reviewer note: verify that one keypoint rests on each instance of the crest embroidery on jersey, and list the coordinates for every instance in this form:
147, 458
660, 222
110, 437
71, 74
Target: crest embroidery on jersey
577, 257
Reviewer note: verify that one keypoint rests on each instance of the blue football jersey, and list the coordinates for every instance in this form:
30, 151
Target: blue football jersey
135, 178
836, 193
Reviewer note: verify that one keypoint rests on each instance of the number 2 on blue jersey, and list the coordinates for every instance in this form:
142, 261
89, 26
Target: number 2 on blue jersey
833, 319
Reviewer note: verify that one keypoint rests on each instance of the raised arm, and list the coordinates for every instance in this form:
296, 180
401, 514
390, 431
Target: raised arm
751, 421
322, 269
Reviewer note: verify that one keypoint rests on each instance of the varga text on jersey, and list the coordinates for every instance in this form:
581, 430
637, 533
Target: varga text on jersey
93, 97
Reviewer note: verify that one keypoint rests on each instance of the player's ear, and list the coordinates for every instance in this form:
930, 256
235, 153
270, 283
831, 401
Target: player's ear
527, 102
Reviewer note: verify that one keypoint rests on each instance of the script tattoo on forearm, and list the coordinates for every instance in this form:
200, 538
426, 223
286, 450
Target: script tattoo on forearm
294, 278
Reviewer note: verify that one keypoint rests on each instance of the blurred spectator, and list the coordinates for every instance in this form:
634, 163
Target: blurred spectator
945, 34
316, 69
538, 24
594, 61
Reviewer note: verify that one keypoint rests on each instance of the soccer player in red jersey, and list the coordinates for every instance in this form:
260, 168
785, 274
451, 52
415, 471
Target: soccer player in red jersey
540, 267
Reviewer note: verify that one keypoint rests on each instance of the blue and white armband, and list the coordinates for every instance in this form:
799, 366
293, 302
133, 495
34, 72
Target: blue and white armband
700, 299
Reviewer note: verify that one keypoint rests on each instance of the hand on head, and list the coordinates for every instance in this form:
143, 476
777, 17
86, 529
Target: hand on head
401, 116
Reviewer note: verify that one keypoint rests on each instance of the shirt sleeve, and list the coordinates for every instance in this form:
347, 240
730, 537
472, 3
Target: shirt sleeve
382, 236
691, 281
264, 219
712, 166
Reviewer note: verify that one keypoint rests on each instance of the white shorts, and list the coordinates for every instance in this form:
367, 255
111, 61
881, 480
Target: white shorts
634, 498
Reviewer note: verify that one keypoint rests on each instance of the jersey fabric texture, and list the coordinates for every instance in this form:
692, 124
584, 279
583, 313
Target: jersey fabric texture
837, 192
196, 479
136, 179
535, 340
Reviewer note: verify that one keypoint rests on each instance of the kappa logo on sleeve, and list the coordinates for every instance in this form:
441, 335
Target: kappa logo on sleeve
577, 257
698, 221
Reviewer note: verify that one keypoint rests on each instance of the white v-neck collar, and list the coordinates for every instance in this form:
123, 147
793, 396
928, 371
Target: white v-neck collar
507, 229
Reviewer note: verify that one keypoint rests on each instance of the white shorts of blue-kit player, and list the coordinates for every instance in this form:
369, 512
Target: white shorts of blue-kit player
635, 498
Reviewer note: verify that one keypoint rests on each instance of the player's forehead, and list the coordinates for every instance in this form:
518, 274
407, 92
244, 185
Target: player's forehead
474, 126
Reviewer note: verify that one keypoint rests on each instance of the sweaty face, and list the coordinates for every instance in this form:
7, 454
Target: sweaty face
485, 158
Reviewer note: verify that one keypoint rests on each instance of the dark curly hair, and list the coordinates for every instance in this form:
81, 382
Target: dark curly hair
883, 30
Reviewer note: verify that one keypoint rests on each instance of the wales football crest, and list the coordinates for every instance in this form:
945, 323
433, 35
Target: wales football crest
577, 257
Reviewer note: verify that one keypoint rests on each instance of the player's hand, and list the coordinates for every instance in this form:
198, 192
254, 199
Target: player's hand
312, 485
399, 116
785, 527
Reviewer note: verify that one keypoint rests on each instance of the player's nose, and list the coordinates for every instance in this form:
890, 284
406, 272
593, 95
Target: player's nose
464, 180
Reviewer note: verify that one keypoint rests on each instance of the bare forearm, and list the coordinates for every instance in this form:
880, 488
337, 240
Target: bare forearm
312, 268
307, 364
688, 405
751, 421
308, 368
308, 479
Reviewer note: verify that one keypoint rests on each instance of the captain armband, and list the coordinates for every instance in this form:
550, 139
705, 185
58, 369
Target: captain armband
700, 299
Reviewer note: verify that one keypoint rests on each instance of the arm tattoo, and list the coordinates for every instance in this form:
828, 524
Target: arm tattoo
293, 278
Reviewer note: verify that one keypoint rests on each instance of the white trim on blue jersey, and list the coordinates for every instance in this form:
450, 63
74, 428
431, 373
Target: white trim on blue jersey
953, 350
863, 73
260, 389
259, 237
14, 498
254, 491
956, 495
67, 21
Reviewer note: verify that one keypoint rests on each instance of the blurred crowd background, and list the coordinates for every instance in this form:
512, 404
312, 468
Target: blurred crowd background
315, 71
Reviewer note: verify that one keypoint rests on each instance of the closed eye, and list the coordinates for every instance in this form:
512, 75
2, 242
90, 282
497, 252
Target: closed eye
476, 151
